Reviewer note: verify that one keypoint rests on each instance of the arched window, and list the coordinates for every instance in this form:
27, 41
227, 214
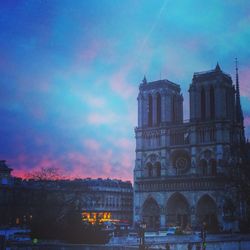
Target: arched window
151, 214
173, 109
212, 103
203, 167
203, 104
150, 110
228, 103
158, 169
158, 108
213, 167
150, 169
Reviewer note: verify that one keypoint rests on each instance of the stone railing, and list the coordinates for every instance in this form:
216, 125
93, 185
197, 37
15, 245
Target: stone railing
174, 184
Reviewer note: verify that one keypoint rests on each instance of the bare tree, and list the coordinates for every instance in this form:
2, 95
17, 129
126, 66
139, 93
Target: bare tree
46, 174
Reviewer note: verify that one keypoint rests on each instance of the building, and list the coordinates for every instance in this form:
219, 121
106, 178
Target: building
5, 174
97, 199
108, 201
188, 172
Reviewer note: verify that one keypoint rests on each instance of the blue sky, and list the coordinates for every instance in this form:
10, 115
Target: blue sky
70, 72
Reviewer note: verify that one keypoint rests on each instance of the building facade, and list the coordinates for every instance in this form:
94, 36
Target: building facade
186, 172
102, 200
108, 201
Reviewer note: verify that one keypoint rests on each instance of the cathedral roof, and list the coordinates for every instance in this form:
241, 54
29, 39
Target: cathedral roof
159, 84
211, 74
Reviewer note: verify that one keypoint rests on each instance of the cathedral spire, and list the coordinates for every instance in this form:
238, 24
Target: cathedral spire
144, 81
239, 114
217, 68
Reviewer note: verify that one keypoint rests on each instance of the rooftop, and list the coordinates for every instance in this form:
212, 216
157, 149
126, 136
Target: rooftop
164, 83
4, 167
211, 74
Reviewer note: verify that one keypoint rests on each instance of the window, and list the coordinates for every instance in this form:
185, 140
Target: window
150, 169
212, 104
150, 111
203, 167
158, 108
158, 169
213, 167
203, 104
173, 109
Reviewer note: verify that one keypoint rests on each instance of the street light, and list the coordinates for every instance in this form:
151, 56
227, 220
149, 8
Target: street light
203, 235
142, 235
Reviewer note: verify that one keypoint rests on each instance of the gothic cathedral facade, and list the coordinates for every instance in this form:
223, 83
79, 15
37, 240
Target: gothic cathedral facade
183, 169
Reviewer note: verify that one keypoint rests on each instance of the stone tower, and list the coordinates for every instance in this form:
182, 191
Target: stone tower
183, 170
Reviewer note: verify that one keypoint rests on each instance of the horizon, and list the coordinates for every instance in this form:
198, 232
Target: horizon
71, 75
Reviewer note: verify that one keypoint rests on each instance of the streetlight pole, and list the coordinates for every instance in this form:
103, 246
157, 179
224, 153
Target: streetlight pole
203, 236
142, 235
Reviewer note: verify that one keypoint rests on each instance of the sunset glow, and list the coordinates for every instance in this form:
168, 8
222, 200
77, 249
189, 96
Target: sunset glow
70, 72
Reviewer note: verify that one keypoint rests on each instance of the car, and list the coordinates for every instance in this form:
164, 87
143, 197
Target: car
133, 235
171, 231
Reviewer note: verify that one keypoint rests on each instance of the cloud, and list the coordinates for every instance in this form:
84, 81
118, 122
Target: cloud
119, 84
247, 121
123, 143
102, 118
88, 54
94, 101
92, 144
244, 79
95, 165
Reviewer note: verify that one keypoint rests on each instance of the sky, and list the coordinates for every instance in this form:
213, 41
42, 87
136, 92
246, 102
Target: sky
70, 72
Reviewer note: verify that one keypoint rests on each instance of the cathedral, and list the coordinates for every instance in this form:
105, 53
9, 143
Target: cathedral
187, 171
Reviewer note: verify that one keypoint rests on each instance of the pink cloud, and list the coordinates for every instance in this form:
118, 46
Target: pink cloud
25, 170
93, 101
102, 119
90, 52
120, 85
123, 143
127, 161
244, 78
93, 162
247, 121
98, 165
91, 144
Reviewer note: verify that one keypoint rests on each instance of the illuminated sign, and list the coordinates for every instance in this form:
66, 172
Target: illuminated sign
97, 217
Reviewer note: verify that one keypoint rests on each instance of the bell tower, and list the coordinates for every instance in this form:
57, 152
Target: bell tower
211, 96
183, 170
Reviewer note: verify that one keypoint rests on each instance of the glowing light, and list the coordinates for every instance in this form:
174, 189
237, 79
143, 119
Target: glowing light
98, 217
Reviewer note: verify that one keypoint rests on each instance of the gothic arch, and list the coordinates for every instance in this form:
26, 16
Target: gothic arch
203, 167
152, 165
174, 115
203, 104
150, 110
153, 157
212, 102
149, 169
177, 211
151, 213
158, 169
207, 163
207, 154
206, 212
158, 108
213, 167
